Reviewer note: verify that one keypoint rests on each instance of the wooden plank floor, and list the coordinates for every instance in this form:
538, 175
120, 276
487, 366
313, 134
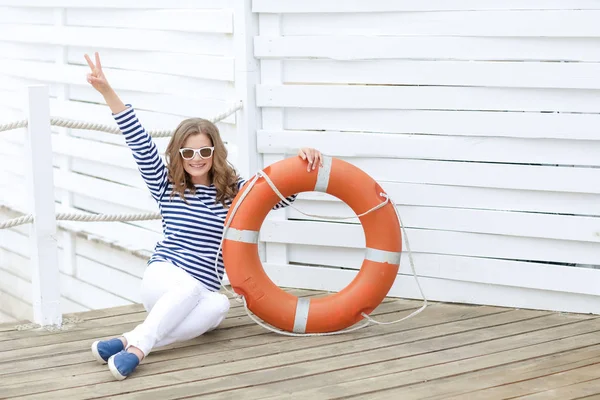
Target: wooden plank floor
448, 351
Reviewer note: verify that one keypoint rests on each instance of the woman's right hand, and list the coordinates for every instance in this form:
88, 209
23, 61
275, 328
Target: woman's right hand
96, 77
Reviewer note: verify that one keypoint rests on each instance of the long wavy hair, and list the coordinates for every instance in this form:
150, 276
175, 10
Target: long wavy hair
222, 174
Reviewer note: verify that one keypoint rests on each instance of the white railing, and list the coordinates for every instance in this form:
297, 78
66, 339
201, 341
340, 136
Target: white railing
44, 249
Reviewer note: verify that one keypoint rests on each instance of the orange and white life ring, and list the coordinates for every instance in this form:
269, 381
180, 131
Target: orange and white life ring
335, 311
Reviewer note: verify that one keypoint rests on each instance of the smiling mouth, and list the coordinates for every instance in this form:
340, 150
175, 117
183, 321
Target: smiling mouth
198, 165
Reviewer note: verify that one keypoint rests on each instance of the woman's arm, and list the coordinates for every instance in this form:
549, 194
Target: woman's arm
145, 152
281, 204
312, 156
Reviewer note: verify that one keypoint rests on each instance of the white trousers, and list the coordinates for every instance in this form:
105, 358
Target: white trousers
179, 308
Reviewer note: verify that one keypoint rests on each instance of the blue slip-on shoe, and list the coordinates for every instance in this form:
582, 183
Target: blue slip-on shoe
103, 349
122, 364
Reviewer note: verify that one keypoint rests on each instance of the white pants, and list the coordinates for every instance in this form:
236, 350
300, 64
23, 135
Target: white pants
179, 308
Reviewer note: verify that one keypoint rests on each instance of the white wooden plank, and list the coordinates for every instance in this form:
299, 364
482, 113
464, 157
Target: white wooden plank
522, 177
145, 82
427, 98
69, 306
109, 279
361, 47
17, 308
117, 156
6, 318
148, 4
181, 105
16, 243
373, 6
440, 242
27, 51
211, 21
15, 99
23, 15
14, 84
438, 290
92, 38
446, 73
180, 64
9, 115
513, 23
509, 150
15, 264
476, 198
557, 278
457, 123
110, 173
15, 286
90, 296
108, 191
133, 264
534, 225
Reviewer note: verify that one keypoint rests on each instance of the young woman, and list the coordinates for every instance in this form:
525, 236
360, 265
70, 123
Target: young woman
193, 191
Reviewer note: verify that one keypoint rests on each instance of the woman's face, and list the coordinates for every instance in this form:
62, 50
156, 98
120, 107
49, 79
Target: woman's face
198, 167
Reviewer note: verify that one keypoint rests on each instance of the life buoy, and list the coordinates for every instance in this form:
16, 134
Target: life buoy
335, 311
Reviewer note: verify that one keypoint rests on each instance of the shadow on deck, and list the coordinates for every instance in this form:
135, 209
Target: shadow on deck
448, 351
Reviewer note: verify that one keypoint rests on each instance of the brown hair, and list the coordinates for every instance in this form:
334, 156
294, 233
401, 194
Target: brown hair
222, 174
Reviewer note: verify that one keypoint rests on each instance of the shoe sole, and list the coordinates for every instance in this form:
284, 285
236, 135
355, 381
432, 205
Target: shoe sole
113, 370
96, 354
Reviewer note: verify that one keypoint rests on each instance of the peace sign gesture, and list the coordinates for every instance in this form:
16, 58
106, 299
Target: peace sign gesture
96, 78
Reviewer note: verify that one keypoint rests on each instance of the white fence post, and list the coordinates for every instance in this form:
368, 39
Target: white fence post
273, 119
247, 75
44, 254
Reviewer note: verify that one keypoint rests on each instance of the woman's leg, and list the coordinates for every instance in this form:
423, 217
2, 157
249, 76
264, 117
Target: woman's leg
180, 308
170, 295
158, 279
208, 314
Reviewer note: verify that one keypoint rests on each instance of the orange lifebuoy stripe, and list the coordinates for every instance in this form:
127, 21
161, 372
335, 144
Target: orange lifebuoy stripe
333, 312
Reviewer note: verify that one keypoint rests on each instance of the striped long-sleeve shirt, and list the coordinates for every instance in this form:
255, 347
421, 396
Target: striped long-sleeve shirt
192, 231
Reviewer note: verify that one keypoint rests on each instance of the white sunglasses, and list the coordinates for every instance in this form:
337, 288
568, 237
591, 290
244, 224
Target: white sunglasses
204, 152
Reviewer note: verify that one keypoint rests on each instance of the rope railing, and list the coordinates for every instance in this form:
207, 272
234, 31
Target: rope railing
84, 217
73, 124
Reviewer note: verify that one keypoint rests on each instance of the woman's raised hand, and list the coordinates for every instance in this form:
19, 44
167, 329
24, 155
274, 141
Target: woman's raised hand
96, 77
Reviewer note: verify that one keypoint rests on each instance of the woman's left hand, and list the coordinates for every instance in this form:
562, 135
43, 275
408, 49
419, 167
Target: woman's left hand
312, 155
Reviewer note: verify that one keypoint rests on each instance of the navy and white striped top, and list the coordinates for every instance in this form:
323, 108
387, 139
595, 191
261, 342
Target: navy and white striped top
192, 232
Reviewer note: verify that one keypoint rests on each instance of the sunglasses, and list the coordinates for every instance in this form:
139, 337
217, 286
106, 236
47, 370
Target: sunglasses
204, 152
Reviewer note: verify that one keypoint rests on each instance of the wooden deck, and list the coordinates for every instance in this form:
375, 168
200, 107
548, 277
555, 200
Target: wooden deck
448, 351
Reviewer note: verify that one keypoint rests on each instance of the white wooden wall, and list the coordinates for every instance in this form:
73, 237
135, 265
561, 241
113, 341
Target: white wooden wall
480, 118
171, 60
